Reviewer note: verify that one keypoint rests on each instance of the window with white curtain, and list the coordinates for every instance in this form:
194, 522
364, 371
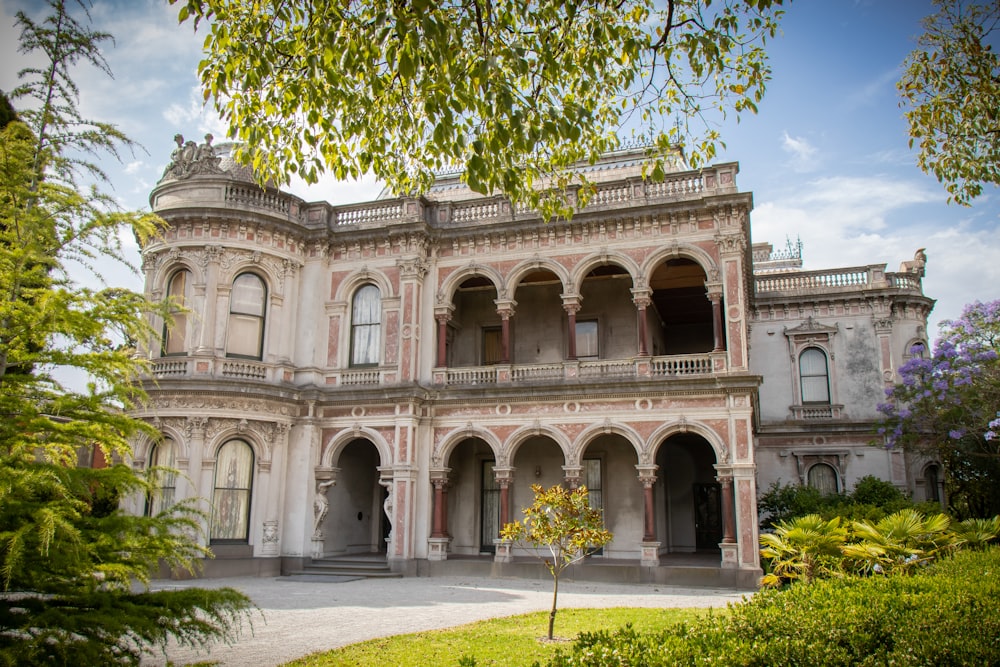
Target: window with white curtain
231, 497
823, 478
814, 376
245, 334
366, 326
175, 333
162, 460
587, 340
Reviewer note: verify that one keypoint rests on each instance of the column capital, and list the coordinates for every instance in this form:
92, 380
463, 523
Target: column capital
505, 307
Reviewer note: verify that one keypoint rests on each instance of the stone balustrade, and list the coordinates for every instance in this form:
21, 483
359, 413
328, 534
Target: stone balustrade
846, 279
219, 191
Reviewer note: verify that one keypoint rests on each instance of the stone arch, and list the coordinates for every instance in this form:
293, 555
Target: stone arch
446, 292
144, 443
247, 265
660, 435
517, 274
679, 251
443, 450
331, 450
589, 434
518, 437
363, 276
241, 431
176, 263
602, 258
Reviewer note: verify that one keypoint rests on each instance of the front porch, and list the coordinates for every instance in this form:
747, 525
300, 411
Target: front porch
696, 570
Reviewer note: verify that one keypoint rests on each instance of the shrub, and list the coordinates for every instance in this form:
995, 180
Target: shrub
944, 614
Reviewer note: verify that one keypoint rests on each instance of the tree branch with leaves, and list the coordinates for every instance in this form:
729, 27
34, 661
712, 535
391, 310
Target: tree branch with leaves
562, 524
511, 93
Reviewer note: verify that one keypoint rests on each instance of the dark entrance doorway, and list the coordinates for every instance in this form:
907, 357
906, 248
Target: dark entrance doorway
489, 519
707, 516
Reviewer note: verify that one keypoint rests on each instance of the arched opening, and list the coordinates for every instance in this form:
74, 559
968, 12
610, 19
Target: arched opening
162, 462
356, 522
474, 329
234, 466
537, 329
177, 331
608, 471
682, 318
814, 375
606, 324
823, 478
366, 326
690, 495
247, 306
473, 498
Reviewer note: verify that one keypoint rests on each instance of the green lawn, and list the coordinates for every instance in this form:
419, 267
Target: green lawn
515, 640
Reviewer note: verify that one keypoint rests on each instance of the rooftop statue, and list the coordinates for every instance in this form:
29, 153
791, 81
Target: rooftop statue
189, 159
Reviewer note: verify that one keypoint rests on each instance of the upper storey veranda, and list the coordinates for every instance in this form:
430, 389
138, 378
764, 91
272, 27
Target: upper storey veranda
200, 181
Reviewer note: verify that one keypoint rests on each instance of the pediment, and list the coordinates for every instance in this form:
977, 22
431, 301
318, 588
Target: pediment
811, 327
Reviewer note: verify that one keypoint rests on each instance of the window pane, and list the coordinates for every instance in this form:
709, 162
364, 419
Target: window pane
248, 295
244, 336
813, 375
179, 293
231, 500
586, 339
492, 346
162, 498
592, 480
366, 320
823, 478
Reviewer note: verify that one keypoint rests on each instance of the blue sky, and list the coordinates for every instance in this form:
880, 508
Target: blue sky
826, 157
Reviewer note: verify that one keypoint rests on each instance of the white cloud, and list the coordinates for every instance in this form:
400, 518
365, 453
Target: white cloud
802, 152
850, 221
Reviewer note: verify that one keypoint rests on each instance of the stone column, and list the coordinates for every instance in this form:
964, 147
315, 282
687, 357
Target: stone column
442, 338
641, 299
572, 476
719, 335
209, 261
437, 544
650, 547
571, 304
504, 477
505, 308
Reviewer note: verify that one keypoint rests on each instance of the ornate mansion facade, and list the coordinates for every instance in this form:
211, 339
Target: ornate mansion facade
391, 378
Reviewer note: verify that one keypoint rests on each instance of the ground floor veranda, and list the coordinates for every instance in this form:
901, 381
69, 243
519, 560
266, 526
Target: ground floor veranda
429, 496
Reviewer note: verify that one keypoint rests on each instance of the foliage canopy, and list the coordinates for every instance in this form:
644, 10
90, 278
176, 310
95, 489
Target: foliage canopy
947, 406
509, 92
950, 90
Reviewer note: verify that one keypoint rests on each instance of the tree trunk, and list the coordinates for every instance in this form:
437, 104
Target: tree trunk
555, 595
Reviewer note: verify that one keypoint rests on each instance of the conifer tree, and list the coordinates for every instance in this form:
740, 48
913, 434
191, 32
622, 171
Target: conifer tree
69, 556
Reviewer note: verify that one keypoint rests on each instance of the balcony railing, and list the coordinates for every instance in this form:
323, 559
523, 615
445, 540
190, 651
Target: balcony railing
669, 366
835, 280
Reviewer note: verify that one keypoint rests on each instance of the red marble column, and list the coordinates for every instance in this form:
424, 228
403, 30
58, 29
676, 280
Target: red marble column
505, 337
571, 317
641, 304
717, 321
440, 508
728, 511
442, 341
649, 522
504, 501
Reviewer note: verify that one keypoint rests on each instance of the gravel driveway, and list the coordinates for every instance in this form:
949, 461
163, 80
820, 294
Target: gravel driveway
301, 617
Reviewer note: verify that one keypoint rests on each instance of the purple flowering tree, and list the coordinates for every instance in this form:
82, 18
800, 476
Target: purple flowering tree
947, 407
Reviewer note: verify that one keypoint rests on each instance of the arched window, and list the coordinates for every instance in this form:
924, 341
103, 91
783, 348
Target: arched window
175, 334
823, 478
932, 482
366, 325
231, 499
814, 376
245, 335
162, 455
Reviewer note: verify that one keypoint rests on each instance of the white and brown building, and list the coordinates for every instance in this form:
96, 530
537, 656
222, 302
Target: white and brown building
390, 378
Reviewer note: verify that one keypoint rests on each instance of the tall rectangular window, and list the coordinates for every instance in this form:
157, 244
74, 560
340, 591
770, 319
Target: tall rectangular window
245, 336
175, 334
587, 340
492, 345
366, 326
814, 376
